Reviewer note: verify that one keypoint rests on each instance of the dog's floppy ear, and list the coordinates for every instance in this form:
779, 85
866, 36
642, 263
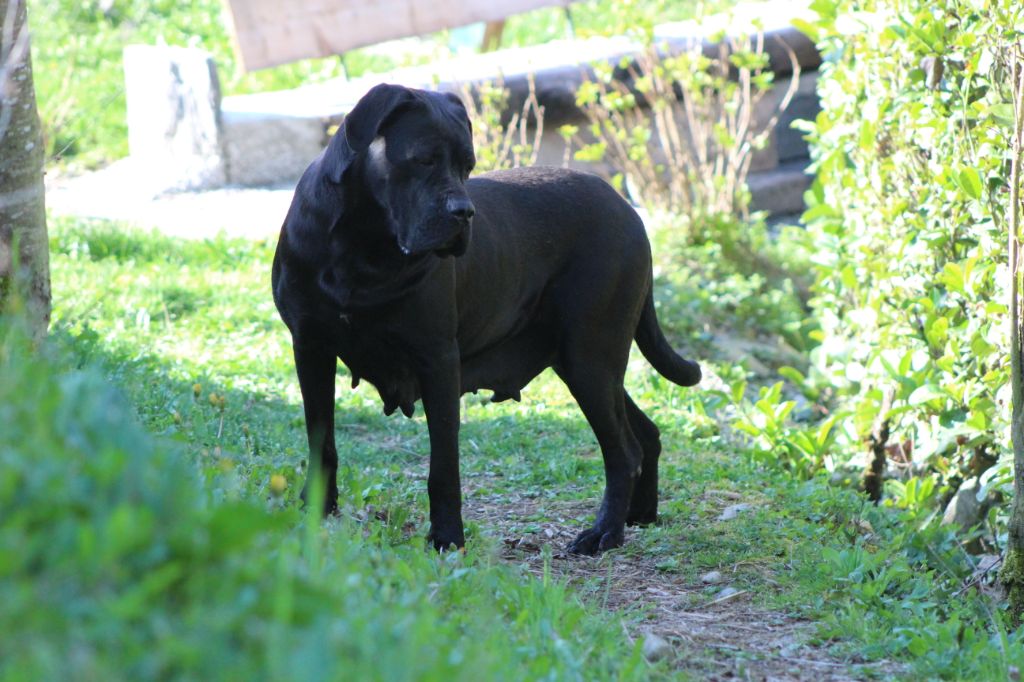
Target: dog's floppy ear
363, 122
457, 101
360, 127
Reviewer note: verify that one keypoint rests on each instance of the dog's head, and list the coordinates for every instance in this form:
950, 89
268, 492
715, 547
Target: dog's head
414, 151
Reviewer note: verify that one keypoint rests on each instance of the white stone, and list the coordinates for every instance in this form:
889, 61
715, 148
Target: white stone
173, 98
734, 510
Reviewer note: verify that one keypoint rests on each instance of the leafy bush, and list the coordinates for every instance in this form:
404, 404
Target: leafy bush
117, 563
906, 239
503, 144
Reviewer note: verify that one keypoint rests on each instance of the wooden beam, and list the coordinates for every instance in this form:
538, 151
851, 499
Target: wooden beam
271, 32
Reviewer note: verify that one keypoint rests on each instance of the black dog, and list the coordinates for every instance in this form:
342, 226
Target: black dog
557, 274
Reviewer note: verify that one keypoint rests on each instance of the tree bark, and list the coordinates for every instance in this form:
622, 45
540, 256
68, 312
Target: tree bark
1012, 573
24, 248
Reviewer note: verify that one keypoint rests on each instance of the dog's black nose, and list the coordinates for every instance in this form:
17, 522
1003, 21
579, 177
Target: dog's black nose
461, 208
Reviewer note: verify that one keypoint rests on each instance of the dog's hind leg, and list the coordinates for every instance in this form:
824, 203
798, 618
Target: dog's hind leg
643, 508
598, 390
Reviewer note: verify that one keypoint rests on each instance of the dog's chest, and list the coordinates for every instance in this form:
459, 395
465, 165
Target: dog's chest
371, 353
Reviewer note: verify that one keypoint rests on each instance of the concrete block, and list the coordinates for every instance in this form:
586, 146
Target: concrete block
267, 148
174, 130
779, 191
803, 105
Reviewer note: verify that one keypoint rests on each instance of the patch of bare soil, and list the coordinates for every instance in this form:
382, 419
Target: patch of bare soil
721, 636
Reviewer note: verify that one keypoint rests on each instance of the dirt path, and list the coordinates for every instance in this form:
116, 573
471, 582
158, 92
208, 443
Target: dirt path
719, 637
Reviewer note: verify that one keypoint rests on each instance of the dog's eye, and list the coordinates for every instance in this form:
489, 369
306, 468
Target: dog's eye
427, 161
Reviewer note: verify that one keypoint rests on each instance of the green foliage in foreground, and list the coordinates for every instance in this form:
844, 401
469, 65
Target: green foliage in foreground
116, 563
124, 556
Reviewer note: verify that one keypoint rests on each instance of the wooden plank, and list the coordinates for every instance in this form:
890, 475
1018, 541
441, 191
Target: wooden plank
271, 32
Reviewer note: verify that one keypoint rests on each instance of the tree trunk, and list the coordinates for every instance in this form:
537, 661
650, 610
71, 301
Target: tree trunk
24, 254
1012, 573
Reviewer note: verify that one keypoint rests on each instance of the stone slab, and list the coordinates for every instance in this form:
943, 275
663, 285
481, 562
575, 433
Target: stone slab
780, 191
174, 125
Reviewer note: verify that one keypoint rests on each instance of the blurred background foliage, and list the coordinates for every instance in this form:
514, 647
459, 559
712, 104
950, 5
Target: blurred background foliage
77, 44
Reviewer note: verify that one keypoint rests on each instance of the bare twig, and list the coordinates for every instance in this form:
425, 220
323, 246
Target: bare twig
720, 600
517, 143
690, 153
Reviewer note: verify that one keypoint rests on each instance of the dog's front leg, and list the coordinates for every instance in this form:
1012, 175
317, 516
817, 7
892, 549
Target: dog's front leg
316, 366
439, 386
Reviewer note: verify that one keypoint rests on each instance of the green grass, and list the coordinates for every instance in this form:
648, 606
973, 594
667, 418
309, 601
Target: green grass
129, 557
140, 537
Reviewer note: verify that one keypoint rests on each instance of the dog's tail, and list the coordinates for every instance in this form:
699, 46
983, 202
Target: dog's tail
655, 348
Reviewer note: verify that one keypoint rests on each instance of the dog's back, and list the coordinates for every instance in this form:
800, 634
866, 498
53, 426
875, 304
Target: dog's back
538, 228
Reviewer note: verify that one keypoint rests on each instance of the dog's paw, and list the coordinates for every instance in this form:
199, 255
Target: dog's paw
595, 540
330, 501
446, 539
641, 514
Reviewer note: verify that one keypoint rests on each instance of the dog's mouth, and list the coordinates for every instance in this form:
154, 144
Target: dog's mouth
455, 246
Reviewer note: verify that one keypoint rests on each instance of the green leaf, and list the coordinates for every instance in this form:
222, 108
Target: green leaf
825, 430
970, 182
953, 277
801, 442
926, 393
807, 28
937, 331
737, 390
849, 277
867, 138
918, 646
1002, 114
747, 428
793, 374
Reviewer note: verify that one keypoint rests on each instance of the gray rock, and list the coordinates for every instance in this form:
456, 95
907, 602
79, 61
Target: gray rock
806, 106
711, 578
655, 647
781, 190
727, 592
965, 510
265, 147
734, 510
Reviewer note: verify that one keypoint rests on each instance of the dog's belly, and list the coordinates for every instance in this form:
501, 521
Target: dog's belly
373, 358
504, 368
509, 365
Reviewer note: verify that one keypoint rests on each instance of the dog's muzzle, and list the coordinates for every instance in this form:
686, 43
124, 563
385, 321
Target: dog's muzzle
458, 225
461, 209
457, 245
